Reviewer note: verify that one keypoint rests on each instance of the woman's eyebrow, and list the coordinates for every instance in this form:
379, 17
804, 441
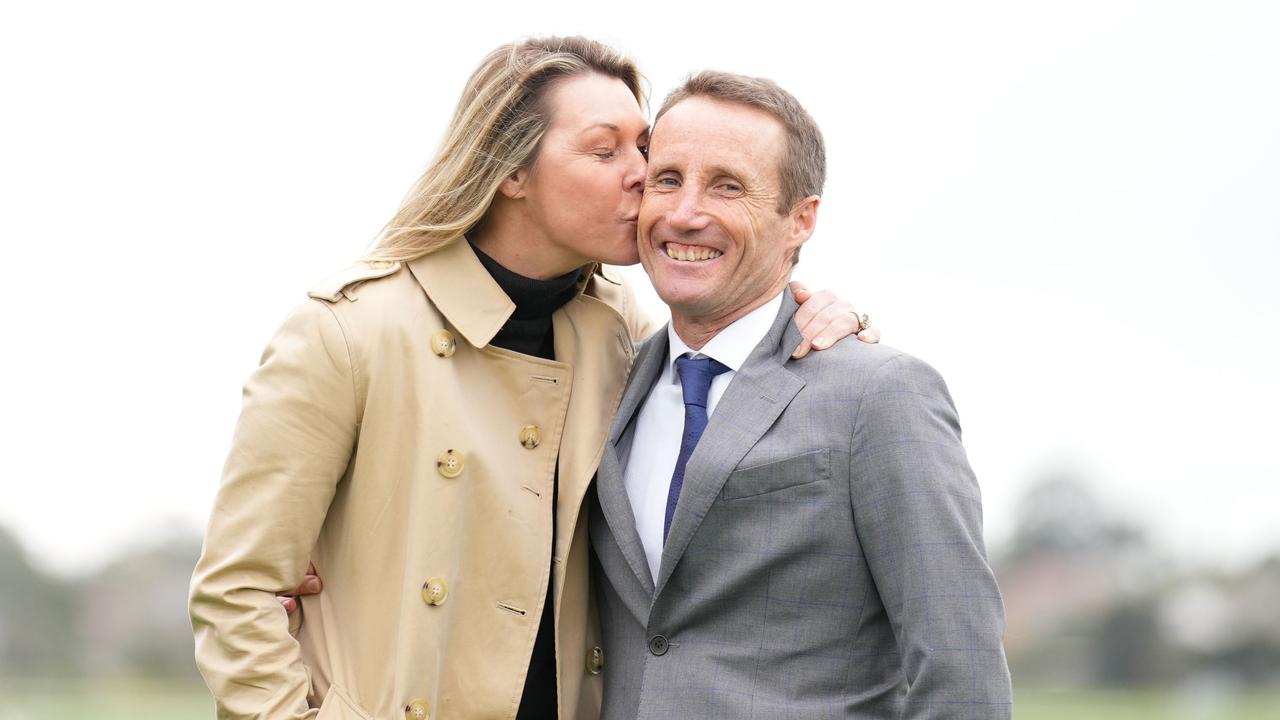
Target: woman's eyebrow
593, 126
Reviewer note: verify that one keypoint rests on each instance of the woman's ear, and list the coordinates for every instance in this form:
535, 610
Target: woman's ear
513, 186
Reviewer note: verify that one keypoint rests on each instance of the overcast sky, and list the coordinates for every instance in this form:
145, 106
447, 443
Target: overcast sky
1072, 210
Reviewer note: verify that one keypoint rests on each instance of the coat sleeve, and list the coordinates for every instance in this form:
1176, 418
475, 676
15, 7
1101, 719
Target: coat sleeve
292, 445
918, 515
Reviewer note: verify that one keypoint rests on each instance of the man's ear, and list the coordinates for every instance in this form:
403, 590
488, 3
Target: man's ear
513, 185
804, 218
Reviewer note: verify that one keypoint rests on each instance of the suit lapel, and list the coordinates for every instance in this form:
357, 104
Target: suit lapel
758, 394
610, 489
644, 373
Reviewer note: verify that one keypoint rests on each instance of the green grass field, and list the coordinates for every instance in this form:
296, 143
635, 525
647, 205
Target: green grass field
129, 700
50, 700
1143, 705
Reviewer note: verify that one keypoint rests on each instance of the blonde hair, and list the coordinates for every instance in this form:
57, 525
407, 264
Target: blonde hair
495, 131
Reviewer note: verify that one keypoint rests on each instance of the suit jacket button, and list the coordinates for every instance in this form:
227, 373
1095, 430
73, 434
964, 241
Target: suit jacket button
449, 463
434, 591
530, 436
416, 710
658, 645
595, 660
442, 343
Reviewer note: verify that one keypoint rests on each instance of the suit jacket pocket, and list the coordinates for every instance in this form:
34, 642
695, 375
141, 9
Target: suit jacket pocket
778, 475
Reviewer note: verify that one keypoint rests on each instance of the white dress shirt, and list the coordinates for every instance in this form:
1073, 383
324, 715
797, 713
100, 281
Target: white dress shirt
647, 468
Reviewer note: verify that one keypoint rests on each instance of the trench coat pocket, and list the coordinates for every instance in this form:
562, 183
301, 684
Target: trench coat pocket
778, 475
337, 706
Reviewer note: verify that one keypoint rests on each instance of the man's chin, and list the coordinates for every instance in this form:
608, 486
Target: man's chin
682, 300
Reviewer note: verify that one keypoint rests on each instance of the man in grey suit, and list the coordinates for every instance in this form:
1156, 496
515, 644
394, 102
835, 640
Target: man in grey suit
776, 537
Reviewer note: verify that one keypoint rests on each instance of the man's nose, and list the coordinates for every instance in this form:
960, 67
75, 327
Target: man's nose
687, 215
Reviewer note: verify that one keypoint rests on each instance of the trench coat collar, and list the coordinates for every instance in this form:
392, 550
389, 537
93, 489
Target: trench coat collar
463, 291
468, 296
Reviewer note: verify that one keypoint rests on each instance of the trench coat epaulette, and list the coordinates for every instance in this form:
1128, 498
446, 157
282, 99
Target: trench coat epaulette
342, 283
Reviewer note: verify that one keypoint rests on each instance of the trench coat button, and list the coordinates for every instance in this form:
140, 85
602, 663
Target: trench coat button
595, 660
658, 645
442, 343
435, 591
530, 436
449, 463
416, 710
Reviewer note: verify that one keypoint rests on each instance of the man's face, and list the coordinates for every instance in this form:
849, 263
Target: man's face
711, 237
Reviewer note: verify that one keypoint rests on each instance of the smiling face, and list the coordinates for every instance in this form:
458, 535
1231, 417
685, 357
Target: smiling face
711, 237
582, 193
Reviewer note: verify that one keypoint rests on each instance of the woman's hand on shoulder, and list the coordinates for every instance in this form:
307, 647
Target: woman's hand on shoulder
824, 319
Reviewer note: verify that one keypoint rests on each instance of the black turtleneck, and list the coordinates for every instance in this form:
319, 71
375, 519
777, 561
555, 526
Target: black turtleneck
528, 331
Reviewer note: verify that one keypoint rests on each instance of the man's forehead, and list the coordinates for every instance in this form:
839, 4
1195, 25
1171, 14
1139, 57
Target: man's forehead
704, 116
714, 132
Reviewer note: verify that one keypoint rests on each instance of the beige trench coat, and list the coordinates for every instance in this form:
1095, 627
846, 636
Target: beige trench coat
385, 439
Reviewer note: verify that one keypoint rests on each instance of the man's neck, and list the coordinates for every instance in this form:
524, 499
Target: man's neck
697, 331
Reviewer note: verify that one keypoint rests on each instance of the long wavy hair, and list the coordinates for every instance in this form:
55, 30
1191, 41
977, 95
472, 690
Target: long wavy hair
496, 130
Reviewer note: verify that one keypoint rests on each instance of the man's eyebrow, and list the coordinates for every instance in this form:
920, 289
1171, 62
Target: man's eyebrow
715, 171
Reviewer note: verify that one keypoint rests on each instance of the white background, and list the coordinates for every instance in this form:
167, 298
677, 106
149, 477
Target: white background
1071, 209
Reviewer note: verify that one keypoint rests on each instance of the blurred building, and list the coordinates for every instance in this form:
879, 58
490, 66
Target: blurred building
1090, 603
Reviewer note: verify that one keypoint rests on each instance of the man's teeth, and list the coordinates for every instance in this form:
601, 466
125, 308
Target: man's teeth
691, 253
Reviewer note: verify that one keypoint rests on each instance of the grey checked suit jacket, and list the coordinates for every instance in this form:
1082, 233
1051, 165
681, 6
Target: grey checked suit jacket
825, 559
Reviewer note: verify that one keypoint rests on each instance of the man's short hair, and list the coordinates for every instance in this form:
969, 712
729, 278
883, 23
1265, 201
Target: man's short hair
803, 167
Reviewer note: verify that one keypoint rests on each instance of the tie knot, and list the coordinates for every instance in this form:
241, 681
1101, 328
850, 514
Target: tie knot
695, 378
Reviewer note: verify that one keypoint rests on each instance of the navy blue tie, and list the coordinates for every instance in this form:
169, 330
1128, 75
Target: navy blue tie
695, 380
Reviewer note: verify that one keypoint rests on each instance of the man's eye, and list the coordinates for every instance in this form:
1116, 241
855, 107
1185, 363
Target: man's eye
604, 154
667, 182
731, 188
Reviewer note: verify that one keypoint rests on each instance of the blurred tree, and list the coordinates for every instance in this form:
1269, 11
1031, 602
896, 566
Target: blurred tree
1090, 602
36, 637
1075, 579
134, 611
1060, 515
1130, 647
128, 619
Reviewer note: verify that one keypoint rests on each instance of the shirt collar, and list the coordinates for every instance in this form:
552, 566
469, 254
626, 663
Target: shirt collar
732, 345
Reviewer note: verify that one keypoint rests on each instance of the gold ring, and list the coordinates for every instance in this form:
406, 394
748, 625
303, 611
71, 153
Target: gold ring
864, 321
